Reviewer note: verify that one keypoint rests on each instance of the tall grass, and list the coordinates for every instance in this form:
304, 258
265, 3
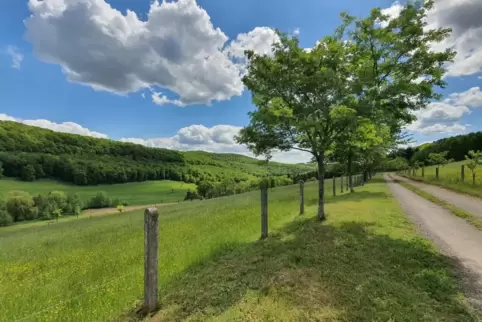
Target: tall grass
42, 266
450, 178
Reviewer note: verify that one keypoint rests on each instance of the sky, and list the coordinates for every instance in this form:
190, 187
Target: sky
168, 73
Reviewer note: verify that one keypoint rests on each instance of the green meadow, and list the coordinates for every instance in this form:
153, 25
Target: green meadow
364, 263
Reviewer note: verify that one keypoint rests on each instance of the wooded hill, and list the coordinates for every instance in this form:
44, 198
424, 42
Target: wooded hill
32, 153
456, 146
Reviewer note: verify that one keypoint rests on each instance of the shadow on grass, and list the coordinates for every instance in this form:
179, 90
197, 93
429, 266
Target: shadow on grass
314, 272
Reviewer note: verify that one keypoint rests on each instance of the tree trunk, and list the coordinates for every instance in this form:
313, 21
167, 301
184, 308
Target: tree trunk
321, 187
349, 173
473, 178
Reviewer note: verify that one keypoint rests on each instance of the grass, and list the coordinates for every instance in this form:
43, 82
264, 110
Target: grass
135, 193
450, 178
455, 210
365, 263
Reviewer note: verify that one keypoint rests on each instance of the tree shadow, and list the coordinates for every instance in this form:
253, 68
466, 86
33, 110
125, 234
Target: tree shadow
312, 272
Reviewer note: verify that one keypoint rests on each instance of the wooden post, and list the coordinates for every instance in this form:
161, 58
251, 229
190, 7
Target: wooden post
302, 197
423, 172
334, 186
151, 246
264, 211
341, 183
436, 173
462, 172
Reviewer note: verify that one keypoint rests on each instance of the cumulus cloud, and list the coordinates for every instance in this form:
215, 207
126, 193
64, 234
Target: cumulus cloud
219, 139
463, 17
175, 48
445, 116
260, 40
65, 127
15, 55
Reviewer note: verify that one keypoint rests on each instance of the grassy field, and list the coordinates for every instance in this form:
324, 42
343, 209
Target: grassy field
450, 178
365, 263
135, 193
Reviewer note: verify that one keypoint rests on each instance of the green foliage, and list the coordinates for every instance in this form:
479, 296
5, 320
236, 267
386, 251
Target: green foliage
1, 170
438, 159
73, 205
28, 173
100, 200
120, 208
5, 218
474, 159
21, 206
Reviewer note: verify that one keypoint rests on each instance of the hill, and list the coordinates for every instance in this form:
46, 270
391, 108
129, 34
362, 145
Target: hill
32, 153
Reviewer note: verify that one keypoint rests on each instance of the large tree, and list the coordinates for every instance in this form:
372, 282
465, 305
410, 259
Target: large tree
372, 68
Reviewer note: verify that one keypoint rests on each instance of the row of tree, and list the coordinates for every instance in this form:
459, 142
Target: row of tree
21, 206
347, 98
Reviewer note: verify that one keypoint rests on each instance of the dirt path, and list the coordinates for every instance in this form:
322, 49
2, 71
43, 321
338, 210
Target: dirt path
452, 235
104, 211
470, 204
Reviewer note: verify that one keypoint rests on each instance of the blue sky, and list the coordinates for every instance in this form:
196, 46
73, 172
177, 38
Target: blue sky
80, 66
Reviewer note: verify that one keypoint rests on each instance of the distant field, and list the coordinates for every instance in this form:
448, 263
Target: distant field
365, 263
450, 178
135, 193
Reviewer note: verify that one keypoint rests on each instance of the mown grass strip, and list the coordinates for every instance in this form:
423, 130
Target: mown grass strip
455, 210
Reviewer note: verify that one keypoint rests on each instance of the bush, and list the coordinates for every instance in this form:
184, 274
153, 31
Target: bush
5, 218
100, 200
58, 199
28, 173
74, 205
21, 206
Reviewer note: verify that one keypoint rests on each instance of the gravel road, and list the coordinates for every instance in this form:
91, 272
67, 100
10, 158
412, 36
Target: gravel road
452, 235
470, 204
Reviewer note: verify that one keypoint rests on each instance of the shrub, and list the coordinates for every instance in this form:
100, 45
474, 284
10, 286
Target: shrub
100, 200
58, 199
28, 173
120, 208
21, 206
5, 218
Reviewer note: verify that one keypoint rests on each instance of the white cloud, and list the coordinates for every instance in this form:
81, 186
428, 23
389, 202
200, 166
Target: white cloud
445, 116
296, 32
176, 48
260, 40
161, 100
392, 12
219, 138
66, 127
15, 55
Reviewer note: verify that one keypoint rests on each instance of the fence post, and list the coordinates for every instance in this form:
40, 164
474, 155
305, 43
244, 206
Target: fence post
462, 172
436, 173
341, 183
302, 197
264, 211
151, 245
347, 183
423, 172
334, 186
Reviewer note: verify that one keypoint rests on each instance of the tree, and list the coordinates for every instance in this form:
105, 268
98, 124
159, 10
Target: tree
474, 159
73, 205
57, 213
1, 170
120, 208
28, 173
301, 98
20, 206
58, 199
438, 159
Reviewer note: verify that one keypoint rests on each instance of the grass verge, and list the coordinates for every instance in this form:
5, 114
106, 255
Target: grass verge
455, 210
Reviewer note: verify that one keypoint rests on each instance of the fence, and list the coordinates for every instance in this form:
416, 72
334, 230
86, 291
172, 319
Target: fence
452, 176
151, 252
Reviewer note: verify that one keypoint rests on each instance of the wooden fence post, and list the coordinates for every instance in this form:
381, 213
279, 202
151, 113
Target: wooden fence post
334, 186
151, 246
264, 211
462, 172
341, 183
436, 173
423, 172
302, 197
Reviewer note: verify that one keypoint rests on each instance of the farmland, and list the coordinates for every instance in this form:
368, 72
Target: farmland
450, 178
211, 265
135, 193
